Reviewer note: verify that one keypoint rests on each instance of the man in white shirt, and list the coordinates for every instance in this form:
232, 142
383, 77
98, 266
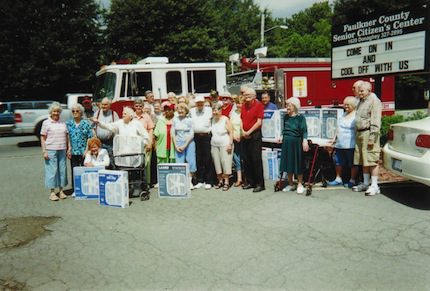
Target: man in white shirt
105, 115
202, 120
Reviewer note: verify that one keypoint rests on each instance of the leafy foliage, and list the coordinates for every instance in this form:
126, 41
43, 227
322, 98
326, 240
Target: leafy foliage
48, 48
308, 34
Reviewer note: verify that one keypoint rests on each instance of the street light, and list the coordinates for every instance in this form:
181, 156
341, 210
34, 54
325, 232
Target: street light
262, 31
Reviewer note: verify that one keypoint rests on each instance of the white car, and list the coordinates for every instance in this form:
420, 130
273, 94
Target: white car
407, 152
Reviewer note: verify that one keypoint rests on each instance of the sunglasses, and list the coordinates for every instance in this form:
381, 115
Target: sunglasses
74, 111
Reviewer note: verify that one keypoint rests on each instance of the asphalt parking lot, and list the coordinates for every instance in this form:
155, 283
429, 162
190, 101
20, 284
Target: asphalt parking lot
335, 239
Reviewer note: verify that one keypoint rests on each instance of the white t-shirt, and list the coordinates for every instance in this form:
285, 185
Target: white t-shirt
133, 128
201, 119
102, 159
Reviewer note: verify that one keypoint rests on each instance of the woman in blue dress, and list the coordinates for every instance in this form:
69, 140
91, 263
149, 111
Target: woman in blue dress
294, 143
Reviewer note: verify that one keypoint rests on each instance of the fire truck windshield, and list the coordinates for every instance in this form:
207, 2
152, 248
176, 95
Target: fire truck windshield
105, 86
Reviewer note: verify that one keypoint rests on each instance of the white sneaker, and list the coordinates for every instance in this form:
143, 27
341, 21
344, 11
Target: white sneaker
372, 191
156, 185
300, 189
198, 185
289, 188
208, 186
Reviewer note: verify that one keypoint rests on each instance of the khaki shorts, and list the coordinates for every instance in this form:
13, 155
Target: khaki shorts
362, 156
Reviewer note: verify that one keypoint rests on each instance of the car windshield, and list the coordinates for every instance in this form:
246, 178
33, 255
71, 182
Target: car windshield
105, 86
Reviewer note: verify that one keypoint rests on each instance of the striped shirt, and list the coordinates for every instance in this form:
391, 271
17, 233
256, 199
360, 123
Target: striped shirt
56, 134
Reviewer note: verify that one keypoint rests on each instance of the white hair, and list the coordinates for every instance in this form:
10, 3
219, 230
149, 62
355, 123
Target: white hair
295, 102
55, 106
249, 90
105, 99
171, 94
129, 111
79, 107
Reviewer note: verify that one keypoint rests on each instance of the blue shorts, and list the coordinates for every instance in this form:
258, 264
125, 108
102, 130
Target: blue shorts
344, 157
188, 156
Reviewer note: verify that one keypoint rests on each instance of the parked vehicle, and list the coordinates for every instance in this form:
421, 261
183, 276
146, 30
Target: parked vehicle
407, 152
306, 78
124, 82
7, 121
73, 98
29, 121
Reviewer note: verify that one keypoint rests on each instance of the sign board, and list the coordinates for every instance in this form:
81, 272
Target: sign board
173, 180
387, 43
300, 87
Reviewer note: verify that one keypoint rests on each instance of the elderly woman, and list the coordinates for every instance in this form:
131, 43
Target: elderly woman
171, 97
80, 130
129, 126
236, 123
183, 138
162, 132
54, 141
126, 126
294, 143
144, 117
344, 144
221, 146
96, 155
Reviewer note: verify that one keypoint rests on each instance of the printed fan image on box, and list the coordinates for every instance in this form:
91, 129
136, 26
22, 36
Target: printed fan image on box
86, 182
177, 184
113, 188
173, 180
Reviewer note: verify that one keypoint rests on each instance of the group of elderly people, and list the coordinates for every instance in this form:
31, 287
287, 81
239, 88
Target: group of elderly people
211, 135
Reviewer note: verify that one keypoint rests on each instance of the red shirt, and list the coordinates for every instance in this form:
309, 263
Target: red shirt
226, 111
250, 114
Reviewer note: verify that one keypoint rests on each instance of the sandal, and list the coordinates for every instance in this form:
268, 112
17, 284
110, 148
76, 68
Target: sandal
219, 185
225, 187
238, 183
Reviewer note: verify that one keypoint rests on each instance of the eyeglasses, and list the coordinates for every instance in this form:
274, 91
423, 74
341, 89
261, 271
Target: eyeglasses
74, 111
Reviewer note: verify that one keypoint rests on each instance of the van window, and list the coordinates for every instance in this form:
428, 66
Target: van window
174, 82
201, 81
135, 83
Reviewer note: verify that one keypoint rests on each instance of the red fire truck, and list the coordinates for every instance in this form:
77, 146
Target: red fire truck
306, 78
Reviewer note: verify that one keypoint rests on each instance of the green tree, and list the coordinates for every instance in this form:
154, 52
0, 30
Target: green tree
48, 47
347, 10
195, 30
308, 34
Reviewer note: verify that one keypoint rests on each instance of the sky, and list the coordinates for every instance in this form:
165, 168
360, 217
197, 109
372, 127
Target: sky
279, 8
285, 8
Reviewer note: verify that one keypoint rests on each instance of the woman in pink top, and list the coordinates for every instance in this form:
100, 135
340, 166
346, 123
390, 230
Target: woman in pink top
54, 140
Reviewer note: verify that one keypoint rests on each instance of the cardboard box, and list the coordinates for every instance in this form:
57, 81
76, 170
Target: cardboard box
173, 180
113, 187
86, 181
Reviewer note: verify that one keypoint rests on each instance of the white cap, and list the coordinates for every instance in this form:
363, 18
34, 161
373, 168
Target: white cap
199, 98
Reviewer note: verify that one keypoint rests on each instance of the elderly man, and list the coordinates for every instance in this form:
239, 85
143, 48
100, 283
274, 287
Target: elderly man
265, 99
367, 147
252, 116
105, 115
202, 120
